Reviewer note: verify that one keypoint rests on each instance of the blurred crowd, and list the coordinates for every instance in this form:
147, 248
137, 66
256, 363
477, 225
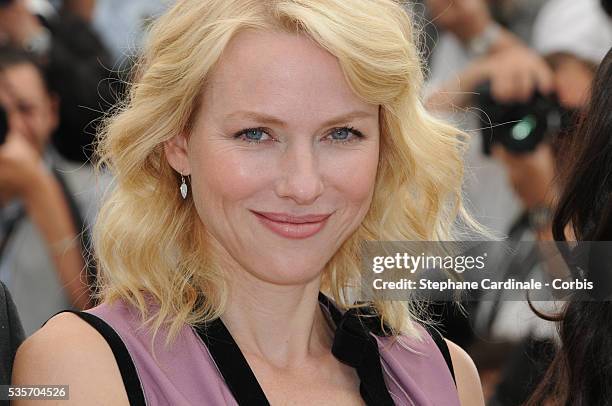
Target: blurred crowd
516, 75
513, 74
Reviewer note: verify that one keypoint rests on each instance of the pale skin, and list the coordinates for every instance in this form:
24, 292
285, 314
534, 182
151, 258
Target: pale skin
309, 161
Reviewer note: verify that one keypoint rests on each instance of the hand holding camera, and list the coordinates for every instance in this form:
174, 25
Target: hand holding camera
20, 167
515, 74
20, 164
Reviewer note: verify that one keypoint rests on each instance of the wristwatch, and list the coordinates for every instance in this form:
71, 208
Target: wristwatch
540, 218
482, 43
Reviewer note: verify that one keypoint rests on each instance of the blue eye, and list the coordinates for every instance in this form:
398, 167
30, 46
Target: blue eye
345, 135
340, 134
253, 135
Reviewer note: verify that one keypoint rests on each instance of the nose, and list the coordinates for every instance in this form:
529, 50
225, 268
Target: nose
300, 178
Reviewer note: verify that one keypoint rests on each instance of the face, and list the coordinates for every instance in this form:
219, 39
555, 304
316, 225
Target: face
31, 104
531, 175
283, 157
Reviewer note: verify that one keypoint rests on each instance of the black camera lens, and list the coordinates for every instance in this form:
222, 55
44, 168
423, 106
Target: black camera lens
520, 127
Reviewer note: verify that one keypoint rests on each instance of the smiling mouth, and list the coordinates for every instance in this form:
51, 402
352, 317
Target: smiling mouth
290, 226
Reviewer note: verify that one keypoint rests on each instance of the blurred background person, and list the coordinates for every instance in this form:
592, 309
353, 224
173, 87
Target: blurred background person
473, 45
42, 256
535, 93
121, 25
77, 64
572, 38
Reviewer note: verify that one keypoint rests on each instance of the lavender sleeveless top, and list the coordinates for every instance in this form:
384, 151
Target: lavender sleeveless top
185, 373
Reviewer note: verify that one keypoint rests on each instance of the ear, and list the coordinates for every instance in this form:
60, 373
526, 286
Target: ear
177, 154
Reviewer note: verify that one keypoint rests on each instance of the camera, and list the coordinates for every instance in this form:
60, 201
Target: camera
521, 127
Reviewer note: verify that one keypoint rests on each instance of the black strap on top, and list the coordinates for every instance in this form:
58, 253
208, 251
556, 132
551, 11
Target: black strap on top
439, 340
353, 345
235, 369
373, 325
126, 366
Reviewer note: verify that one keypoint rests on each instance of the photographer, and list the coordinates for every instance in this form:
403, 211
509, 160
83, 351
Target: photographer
572, 37
41, 257
536, 96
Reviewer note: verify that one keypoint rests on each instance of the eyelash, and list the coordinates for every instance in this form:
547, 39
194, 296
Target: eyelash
358, 135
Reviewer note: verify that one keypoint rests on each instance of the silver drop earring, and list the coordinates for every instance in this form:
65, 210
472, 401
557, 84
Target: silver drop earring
183, 187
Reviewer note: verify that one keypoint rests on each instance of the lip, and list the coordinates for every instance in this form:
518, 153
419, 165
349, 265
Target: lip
291, 226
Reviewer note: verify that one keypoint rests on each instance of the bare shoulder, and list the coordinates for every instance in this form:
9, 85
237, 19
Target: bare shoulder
466, 375
67, 351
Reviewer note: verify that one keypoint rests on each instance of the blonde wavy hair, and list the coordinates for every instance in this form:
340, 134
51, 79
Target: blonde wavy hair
150, 243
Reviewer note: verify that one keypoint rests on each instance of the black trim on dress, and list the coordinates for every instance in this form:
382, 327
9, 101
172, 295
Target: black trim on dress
235, 369
441, 343
353, 345
125, 363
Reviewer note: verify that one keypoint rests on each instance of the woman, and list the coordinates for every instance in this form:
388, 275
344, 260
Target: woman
581, 372
261, 143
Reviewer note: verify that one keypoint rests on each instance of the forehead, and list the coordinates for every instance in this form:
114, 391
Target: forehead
280, 74
24, 81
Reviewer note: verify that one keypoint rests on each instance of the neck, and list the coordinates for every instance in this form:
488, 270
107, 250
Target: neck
280, 324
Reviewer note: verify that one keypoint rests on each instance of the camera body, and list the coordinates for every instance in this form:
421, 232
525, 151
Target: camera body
521, 127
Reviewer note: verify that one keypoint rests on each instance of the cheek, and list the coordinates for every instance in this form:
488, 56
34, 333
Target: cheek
41, 126
353, 174
573, 87
224, 176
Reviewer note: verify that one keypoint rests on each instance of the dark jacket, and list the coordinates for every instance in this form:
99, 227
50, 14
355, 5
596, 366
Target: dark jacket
80, 72
11, 334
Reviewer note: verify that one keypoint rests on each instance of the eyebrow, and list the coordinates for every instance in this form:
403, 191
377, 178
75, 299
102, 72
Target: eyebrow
271, 120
